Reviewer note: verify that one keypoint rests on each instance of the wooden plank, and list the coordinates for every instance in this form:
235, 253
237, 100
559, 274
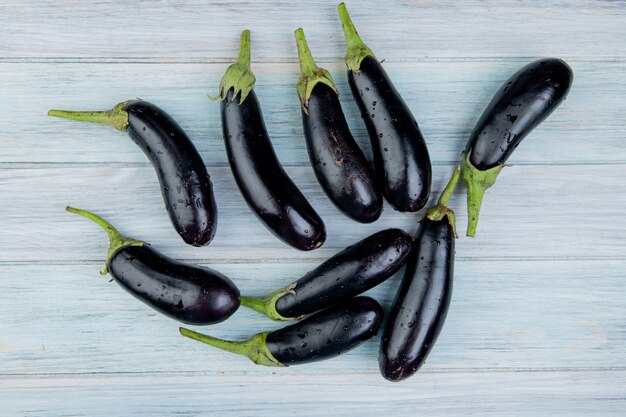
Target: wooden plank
447, 99
533, 211
525, 394
536, 326
399, 29
513, 315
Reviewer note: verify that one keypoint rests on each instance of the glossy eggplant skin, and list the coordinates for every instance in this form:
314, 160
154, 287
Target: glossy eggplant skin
263, 182
401, 158
339, 164
523, 101
327, 333
422, 302
350, 272
187, 293
185, 183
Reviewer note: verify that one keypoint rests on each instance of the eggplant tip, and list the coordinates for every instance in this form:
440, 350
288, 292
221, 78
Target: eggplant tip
394, 372
318, 240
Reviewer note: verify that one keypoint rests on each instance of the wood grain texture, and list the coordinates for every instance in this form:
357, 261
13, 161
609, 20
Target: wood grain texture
446, 99
505, 315
532, 212
536, 394
395, 29
538, 321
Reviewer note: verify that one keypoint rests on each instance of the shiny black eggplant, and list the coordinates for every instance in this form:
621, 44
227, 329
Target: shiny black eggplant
339, 164
263, 182
188, 293
350, 272
185, 183
323, 335
422, 301
401, 158
522, 102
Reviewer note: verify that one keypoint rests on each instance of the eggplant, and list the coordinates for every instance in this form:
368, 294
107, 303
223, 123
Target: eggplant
188, 293
339, 164
421, 304
185, 183
323, 335
401, 158
350, 272
264, 184
522, 102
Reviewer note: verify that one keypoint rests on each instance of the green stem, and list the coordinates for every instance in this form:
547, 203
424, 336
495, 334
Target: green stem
257, 304
357, 50
254, 348
311, 74
447, 192
307, 63
477, 182
238, 76
441, 210
116, 239
244, 49
267, 305
475, 194
116, 117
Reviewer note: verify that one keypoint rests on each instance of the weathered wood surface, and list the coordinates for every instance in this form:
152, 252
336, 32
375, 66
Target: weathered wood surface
540, 211
396, 29
447, 100
538, 321
536, 394
506, 315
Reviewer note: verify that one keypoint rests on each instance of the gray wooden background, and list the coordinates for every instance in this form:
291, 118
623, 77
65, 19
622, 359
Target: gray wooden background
538, 321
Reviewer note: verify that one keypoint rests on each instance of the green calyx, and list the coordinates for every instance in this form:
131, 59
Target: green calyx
477, 182
116, 117
117, 240
254, 348
238, 76
310, 73
441, 210
356, 50
267, 306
